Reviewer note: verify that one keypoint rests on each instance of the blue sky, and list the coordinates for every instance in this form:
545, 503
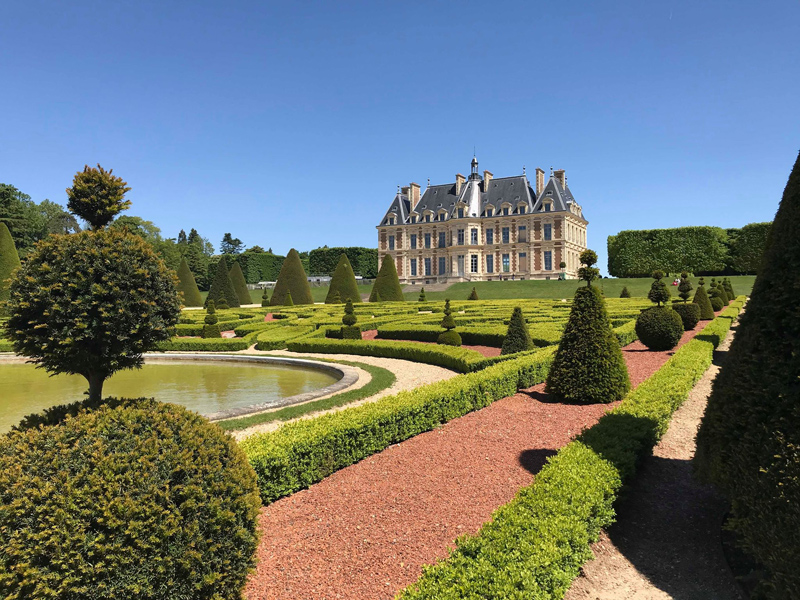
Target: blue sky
291, 124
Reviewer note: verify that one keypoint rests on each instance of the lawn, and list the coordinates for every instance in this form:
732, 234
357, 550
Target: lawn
318, 293
492, 290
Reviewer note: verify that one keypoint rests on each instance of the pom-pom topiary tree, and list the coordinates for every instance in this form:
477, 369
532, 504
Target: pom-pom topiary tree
422, 295
473, 295
211, 327
222, 288
685, 287
624, 293
660, 327
240, 285
517, 339
126, 499
750, 434
702, 300
264, 298
717, 302
588, 366
350, 331
343, 283
292, 280
287, 300
659, 292
9, 261
449, 336
97, 196
187, 286
729, 289
387, 284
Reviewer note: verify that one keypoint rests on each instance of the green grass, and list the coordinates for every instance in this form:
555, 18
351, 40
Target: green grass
493, 290
318, 293
381, 380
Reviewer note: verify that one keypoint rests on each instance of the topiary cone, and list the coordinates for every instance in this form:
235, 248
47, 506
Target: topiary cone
473, 295
517, 339
292, 280
343, 283
188, 286
239, 284
624, 293
9, 260
287, 300
749, 437
387, 284
702, 300
222, 287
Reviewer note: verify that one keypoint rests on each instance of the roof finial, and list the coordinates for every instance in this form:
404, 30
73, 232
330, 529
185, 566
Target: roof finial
398, 190
551, 170
523, 169
429, 182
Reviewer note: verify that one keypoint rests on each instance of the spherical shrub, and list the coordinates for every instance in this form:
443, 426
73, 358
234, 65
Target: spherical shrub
124, 499
689, 314
717, 303
449, 338
659, 328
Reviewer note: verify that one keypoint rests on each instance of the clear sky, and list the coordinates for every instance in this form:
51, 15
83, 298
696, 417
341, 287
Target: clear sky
290, 124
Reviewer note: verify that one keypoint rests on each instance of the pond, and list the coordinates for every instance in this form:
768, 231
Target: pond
203, 386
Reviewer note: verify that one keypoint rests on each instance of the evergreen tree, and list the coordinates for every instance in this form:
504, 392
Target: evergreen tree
287, 300
685, 287
422, 295
334, 298
702, 300
222, 287
187, 286
449, 337
343, 282
211, 327
729, 289
517, 339
349, 330
264, 298
292, 279
659, 292
624, 293
588, 272
750, 434
9, 260
223, 304
387, 283
239, 284
473, 295
97, 196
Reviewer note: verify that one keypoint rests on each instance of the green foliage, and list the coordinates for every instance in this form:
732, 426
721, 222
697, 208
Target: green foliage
473, 295
29, 222
129, 499
9, 261
211, 328
702, 300
306, 451
343, 283
240, 285
364, 261
211, 314
689, 314
230, 245
422, 295
746, 247
223, 303
211, 331
659, 328
588, 366
350, 332
349, 317
387, 285
292, 283
264, 298
448, 322
729, 289
449, 338
97, 196
517, 339
187, 286
256, 266
91, 303
222, 288
659, 293
624, 293
588, 272
749, 440
685, 288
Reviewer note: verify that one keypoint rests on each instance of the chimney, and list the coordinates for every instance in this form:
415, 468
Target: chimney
487, 177
539, 181
460, 179
561, 176
414, 197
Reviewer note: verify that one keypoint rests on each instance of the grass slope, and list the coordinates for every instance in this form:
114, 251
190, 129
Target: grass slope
318, 293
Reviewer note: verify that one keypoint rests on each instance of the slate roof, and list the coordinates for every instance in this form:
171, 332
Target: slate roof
559, 196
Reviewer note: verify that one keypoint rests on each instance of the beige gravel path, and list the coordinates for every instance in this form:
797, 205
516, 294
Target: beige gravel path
666, 541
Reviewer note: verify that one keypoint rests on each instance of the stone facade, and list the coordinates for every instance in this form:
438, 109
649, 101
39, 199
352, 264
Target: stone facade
484, 229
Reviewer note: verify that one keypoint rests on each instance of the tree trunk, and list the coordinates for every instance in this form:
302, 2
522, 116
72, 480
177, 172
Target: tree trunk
95, 386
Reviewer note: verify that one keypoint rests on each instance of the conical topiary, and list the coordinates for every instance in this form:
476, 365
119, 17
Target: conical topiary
222, 287
422, 295
588, 366
387, 284
188, 286
685, 287
349, 330
750, 435
9, 260
449, 336
240, 285
287, 299
211, 327
624, 293
729, 289
264, 298
702, 300
517, 339
473, 295
343, 283
292, 279
223, 304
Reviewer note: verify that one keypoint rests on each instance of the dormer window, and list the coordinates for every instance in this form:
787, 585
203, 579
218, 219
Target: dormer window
506, 210
522, 209
460, 213
428, 218
490, 211
390, 220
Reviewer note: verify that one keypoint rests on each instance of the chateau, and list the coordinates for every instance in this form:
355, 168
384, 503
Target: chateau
484, 228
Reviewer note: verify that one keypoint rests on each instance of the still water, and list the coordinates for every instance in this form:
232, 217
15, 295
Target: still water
205, 387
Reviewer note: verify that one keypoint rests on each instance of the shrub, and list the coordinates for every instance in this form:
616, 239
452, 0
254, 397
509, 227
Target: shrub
343, 283
702, 300
689, 314
729, 289
659, 328
473, 295
624, 293
132, 498
292, 281
517, 337
749, 437
223, 304
211, 327
364, 261
287, 300
422, 295
264, 298
449, 337
387, 286
746, 247
240, 285
685, 288
9, 260
717, 304
187, 286
588, 366
588, 272
97, 196
349, 320
659, 292
222, 288
351, 333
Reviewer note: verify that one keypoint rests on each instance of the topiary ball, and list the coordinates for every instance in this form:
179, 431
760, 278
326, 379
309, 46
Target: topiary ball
717, 303
659, 328
689, 314
128, 499
449, 338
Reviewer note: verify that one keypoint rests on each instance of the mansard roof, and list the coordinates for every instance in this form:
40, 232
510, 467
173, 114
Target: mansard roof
399, 208
561, 197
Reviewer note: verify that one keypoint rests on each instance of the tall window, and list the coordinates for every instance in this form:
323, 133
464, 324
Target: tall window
442, 239
506, 235
473, 237
505, 210
413, 241
523, 233
428, 218
490, 236
413, 267
460, 213
490, 263
391, 242
548, 260
460, 237
473, 263
442, 265
548, 232
427, 266
522, 209
506, 263
427, 240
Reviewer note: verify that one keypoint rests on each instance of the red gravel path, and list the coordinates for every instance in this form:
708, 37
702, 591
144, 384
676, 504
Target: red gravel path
269, 317
365, 531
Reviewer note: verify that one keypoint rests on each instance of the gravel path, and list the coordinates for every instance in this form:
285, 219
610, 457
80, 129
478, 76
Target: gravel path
666, 542
367, 530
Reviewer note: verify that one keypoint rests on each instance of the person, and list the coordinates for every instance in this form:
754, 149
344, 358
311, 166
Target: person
676, 281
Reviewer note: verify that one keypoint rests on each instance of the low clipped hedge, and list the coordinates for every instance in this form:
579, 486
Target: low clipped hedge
492, 337
626, 334
304, 452
125, 499
276, 338
535, 545
206, 345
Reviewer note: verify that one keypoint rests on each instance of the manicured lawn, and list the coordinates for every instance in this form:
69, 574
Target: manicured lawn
491, 290
318, 293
